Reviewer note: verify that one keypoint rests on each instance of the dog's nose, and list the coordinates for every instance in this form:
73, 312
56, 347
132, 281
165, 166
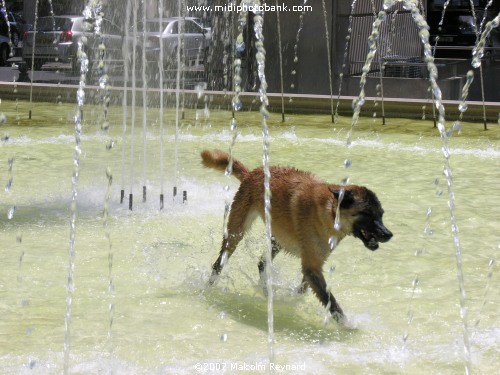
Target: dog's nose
386, 236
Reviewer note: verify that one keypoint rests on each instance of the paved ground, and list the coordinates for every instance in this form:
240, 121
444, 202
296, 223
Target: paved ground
62, 73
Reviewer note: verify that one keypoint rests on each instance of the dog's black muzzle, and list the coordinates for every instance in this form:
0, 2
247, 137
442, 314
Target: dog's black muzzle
372, 234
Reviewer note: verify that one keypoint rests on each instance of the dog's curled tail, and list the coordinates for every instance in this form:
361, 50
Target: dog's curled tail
219, 160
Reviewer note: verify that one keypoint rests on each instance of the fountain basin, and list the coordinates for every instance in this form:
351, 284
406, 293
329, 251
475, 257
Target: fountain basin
166, 320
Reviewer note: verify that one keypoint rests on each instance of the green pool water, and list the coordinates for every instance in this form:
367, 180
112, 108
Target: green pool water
165, 320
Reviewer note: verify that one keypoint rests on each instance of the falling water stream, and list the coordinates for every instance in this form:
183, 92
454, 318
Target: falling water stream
144, 102
280, 54
329, 59
180, 68
261, 66
80, 99
344, 58
33, 46
477, 31
132, 118
161, 114
126, 62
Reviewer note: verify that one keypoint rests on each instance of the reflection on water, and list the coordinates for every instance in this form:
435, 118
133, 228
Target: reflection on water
165, 321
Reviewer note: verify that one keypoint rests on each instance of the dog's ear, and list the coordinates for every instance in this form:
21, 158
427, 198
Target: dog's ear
347, 197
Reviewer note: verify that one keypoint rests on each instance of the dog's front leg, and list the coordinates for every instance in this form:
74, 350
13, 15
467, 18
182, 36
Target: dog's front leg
314, 277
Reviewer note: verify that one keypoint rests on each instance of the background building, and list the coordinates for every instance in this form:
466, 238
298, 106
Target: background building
307, 65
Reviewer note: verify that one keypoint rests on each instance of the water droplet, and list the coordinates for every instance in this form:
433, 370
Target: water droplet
462, 107
9, 185
233, 125
222, 315
457, 126
223, 337
415, 282
332, 241
476, 61
237, 105
3, 118
10, 212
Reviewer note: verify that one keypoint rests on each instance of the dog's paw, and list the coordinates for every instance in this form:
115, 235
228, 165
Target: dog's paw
302, 288
212, 280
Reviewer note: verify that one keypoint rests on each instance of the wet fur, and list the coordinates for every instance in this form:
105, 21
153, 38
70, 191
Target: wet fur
303, 210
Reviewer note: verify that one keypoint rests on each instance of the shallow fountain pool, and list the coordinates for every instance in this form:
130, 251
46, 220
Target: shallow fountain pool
165, 320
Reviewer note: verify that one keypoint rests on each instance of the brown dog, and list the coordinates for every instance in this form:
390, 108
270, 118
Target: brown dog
303, 210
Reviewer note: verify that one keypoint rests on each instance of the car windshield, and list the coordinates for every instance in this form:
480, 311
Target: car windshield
54, 24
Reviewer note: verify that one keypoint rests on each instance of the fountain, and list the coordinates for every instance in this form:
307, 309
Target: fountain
133, 297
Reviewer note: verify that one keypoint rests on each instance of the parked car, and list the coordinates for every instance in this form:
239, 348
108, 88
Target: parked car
4, 49
194, 37
56, 39
17, 26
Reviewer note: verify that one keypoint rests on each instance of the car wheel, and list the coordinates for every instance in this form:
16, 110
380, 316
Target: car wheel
4, 54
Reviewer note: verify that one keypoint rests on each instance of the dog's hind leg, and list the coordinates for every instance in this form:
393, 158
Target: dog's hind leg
240, 219
275, 249
314, 277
